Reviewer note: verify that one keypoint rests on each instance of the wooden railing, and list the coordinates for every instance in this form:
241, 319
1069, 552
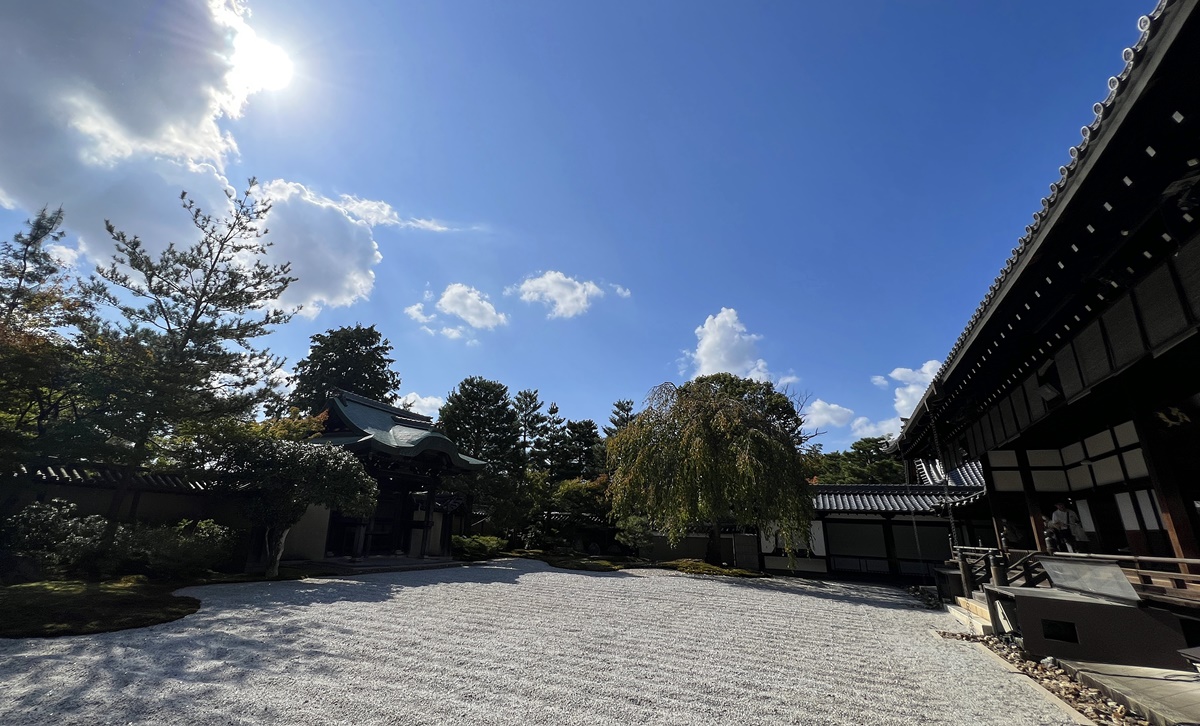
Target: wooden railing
1166, 579
1169, 579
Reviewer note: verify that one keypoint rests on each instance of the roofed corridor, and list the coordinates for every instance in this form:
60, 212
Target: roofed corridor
517, 642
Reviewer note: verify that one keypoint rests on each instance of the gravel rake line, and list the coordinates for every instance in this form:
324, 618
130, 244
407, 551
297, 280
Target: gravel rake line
518, 642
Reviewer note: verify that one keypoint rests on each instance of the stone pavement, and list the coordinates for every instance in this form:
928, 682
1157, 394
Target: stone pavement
1165, 697
518, 642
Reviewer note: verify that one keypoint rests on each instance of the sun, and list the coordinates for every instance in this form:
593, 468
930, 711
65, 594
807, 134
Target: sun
260, 65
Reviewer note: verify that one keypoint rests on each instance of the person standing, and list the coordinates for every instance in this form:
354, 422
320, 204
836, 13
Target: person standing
1065, 523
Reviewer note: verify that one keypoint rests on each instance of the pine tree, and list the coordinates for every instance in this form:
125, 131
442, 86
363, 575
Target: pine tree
622, 416
533, 424
354, 359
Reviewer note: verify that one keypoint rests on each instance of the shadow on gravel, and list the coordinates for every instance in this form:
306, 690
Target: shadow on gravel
879, 596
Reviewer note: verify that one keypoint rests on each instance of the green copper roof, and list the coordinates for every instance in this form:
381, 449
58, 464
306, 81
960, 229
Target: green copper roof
392, 431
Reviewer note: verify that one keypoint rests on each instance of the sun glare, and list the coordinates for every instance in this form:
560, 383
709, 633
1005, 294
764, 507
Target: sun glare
260, 65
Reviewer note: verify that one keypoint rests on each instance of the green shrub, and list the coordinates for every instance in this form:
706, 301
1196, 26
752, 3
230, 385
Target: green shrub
64, 543
177, 551
477, 547
61, 541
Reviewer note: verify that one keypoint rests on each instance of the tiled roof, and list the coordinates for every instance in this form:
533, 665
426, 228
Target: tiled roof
108, 477
930, 472
892, 498
393, 430
1148, 25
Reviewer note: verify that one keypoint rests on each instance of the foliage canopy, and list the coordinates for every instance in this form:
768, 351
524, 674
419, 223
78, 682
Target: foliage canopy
715, 449
355, 359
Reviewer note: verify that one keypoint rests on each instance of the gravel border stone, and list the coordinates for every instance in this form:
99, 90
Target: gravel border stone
518, 642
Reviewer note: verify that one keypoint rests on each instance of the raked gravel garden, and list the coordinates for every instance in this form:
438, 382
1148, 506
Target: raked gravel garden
519, 642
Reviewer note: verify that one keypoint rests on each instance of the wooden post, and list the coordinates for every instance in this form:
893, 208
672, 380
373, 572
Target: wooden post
964, 571
889, 546
999, 569
1037, 524
1171, 501
429, 493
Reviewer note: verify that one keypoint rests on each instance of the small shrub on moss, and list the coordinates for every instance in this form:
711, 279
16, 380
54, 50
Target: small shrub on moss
477, 547
61, 541
179, 551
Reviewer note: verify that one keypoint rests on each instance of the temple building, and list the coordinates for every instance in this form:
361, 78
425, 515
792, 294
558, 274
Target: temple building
1076, 379
408, 459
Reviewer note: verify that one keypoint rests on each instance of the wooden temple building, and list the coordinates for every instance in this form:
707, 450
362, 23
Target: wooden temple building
415, 516
408, 460
1077, 379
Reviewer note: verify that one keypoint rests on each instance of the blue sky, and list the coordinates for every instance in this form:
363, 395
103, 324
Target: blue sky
587, 199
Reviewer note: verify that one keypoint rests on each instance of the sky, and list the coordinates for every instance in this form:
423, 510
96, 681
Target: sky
588, 199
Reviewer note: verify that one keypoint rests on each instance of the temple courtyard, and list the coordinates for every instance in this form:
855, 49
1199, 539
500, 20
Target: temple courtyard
518, 642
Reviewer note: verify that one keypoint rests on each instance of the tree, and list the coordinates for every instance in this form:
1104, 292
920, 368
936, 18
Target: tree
354, 359
622, 416
533, 426
583, 453
38, 306
716, 449
283, 478
479, 417
555, 448
182, 350
867, 462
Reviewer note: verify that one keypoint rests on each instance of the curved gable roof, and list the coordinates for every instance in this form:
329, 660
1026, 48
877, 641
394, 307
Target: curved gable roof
392, 430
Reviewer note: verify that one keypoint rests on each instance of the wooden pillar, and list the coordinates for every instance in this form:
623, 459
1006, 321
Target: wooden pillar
428, 524
1036, 523
989, 486
1165, 479
889, 546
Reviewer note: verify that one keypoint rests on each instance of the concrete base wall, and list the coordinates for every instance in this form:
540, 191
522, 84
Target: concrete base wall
306, 540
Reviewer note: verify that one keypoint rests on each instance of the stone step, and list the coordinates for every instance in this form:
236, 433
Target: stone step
978, 626
975, 607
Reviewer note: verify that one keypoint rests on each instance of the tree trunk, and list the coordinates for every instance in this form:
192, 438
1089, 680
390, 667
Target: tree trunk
712, 554
275, 539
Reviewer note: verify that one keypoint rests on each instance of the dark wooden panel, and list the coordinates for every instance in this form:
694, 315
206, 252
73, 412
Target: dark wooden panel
1187, 265
1093, 358
1124, 334
1007, 417
985, 427
1068, 373
1020, 408
1037, 407
997, 425
1160, 306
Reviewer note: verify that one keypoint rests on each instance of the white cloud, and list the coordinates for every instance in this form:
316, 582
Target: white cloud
914, 382
471, 306
863, 427
416, 311
63, 255
331, 251
566, 296
621, 291
377, 213
137, 111
819, 413
424, 405
453, 333
724, 346
426, 225
787, 380
428, 329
